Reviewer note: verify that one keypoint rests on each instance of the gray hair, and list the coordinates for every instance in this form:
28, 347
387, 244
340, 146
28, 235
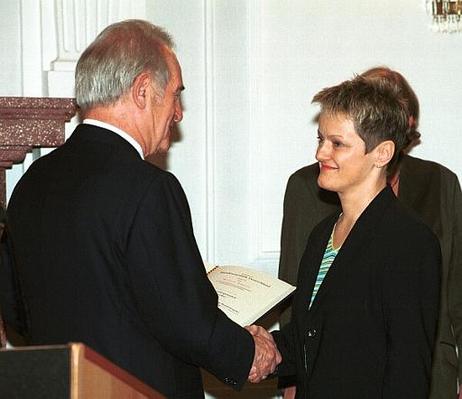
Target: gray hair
109, 65
376, 110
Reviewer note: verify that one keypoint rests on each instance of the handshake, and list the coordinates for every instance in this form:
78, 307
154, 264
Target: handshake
267, 356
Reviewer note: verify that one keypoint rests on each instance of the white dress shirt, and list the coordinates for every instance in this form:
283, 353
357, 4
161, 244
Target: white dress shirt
118, 131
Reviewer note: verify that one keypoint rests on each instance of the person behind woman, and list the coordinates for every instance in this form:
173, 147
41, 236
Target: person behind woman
433, 192
365, 310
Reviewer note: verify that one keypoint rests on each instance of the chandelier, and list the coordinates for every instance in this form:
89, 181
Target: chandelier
447, 15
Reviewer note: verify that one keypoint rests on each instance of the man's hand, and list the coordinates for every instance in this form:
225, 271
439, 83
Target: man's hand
266, 357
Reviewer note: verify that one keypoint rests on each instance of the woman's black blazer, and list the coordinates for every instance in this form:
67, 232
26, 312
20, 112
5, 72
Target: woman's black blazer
370, 330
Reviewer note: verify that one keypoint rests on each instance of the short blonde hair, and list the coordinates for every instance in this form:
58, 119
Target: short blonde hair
377, 112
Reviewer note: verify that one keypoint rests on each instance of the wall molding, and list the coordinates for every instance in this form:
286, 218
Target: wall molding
210, 130
264, 259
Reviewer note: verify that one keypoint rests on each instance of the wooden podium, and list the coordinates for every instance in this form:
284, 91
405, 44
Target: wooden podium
66, 372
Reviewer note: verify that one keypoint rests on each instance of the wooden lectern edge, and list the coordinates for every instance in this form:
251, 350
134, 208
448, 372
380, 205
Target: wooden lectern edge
74, 360
79, 349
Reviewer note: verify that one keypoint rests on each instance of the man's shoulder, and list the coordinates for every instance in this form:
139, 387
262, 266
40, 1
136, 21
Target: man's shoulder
303, 184
154, 180
304, 179
306, 173
414, 166
155, 171
123, 172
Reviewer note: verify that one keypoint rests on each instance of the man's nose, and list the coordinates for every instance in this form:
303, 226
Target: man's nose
178, 116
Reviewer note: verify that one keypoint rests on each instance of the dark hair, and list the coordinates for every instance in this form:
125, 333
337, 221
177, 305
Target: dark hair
377, 112
404, 90
109, 65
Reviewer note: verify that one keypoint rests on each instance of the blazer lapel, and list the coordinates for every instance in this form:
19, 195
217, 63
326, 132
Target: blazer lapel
357, 241
310, 263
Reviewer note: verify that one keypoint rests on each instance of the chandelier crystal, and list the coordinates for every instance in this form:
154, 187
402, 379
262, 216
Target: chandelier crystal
447, 15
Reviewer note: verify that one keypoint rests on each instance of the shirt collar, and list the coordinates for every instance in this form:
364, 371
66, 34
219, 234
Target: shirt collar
117, 131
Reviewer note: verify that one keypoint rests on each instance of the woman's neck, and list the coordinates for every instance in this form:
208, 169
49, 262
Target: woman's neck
354, 202
353, 205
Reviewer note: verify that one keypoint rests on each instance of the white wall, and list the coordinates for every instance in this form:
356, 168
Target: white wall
10, 80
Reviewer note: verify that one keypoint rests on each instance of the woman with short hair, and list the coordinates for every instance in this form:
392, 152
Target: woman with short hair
366, 307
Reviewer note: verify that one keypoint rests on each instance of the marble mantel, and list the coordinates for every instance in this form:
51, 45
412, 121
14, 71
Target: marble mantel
27, 123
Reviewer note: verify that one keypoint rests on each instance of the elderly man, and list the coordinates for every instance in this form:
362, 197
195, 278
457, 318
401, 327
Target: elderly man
103, 243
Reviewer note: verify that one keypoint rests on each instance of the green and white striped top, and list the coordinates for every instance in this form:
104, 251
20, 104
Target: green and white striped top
329, 255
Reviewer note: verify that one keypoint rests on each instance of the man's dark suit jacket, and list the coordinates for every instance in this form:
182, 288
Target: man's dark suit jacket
434, 193
370, 330
105, 255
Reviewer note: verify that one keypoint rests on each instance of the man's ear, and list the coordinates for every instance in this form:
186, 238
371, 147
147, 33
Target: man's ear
384, 153
140, 90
